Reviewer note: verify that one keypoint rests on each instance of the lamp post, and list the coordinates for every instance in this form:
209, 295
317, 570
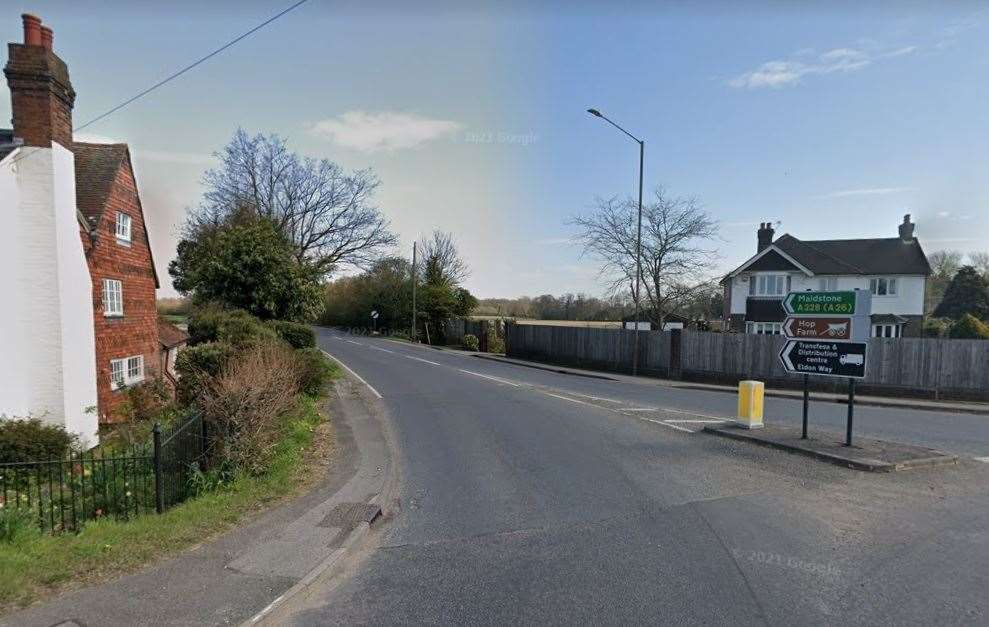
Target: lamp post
638, 237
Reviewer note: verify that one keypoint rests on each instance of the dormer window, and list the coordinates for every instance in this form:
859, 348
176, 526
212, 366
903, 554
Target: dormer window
123, 227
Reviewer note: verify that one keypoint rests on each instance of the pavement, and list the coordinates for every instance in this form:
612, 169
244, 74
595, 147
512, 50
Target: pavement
233, 578
529, 496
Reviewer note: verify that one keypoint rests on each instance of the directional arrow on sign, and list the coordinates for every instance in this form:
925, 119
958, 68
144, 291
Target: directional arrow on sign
828, 359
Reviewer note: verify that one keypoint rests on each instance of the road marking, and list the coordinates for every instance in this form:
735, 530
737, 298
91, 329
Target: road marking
692, 413
484, 376
383, 350
666, 424
982, 459
356, 376
639, 409
567, 398
706, 422
598, 398
426, 361
353, 342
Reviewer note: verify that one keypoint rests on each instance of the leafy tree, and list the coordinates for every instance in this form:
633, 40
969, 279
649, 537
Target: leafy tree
967, 293
944, 266
248, 265
969, 327
385, 288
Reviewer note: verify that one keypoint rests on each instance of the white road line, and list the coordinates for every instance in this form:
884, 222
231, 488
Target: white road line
639, 409
484, 376
692, 413
666, 424
567, 398
378, 348
598, 398
356, 376
353, 342
706, 422
426, 361
982, 459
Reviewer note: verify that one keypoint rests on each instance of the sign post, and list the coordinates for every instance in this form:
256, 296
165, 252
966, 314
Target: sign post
827, 336
374, 322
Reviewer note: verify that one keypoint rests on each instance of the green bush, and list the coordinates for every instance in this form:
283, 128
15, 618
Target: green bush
936, 327
234, 326
495, 343
314, 370
17, 522
969, 327
295, 333
32, 440
470, 342
195, 365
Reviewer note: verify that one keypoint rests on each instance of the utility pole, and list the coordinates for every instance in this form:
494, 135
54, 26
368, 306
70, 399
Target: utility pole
413, 291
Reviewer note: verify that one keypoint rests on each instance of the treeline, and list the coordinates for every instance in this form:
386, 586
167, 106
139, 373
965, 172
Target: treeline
704, 304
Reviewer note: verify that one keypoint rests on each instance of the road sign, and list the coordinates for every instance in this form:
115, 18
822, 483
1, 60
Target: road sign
814, 328
829, 359
821, 303
374, 314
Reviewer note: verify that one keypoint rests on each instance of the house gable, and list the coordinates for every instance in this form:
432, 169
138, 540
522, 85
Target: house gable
771, 261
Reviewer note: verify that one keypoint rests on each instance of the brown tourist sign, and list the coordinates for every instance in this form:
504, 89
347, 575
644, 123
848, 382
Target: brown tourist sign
813, 328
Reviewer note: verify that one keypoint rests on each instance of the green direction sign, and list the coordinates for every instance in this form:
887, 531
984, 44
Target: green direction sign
820, 303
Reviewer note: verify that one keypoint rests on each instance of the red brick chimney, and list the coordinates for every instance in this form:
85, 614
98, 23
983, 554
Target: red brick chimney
41, 95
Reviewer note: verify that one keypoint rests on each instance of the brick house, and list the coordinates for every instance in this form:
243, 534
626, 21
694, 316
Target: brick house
80, 323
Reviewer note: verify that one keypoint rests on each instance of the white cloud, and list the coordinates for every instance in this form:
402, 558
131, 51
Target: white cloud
382, 131
868, 191
788, 72
554, 241
90, 138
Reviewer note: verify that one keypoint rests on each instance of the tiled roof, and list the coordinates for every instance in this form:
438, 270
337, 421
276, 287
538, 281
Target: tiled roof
170, 335
96, 170
857, 256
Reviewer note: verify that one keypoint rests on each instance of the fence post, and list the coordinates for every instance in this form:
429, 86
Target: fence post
676, 354
159, 476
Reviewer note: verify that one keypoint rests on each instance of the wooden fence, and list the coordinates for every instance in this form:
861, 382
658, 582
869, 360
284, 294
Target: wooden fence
937, 368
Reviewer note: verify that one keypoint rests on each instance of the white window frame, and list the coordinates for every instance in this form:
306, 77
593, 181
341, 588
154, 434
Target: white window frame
123, 227
126, 371
759, 285
113, 298
764, 328
827, 283
887, 330
883, 286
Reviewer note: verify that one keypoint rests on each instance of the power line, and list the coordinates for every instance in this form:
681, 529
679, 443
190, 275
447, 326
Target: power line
179, 73
191, 65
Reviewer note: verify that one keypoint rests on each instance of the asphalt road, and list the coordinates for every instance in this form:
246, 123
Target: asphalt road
535, 497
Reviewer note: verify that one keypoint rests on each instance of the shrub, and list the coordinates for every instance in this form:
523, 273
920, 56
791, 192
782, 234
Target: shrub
235, 326
295, 333
31, 440
936, 327
495, 343
196, 365
17, 522
314, 370
969, 327
244, 406
146, 401
470, 342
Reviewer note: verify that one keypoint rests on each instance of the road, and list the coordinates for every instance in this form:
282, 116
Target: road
536, 497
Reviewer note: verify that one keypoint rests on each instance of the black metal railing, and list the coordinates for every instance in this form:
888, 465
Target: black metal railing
61, 494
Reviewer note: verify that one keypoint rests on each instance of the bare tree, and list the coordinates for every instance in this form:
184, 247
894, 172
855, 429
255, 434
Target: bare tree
980, 261
440, 256
674, 262
327, 213
944, 265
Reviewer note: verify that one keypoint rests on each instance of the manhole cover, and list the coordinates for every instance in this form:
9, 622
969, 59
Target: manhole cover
349, 515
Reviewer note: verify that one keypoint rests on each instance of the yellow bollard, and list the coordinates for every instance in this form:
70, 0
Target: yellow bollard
750, 395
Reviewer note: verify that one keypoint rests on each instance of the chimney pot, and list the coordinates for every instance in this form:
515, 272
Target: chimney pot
47, 37
32, 30
765, 236
906, 229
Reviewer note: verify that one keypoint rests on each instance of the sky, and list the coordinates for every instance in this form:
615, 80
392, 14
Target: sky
833, 120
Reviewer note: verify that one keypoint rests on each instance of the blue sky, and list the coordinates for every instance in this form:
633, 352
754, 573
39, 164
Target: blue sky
834, 121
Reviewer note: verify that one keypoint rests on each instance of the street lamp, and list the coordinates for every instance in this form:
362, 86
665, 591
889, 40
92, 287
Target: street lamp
638, 237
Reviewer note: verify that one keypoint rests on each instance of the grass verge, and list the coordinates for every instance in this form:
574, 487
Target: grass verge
33, 565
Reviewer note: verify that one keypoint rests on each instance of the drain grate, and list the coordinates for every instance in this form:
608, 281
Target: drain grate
349, 515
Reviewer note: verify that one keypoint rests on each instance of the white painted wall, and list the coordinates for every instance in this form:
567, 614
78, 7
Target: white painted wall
908, 301
49, 323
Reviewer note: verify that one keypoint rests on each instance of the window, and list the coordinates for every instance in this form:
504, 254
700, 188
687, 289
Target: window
764, 328
126, 371
123, 227
882, 287
113, 297
887, 330
827, 283
768, 285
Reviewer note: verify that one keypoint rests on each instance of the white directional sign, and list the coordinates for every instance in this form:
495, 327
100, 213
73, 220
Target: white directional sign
374, 314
